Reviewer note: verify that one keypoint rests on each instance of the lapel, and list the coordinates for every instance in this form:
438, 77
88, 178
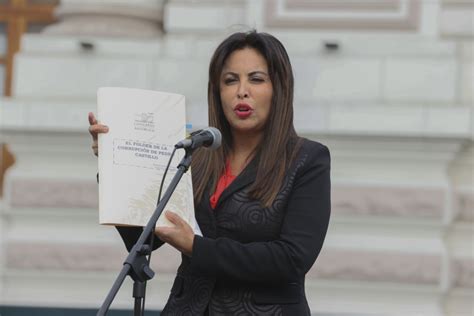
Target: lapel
246, 177
207, 215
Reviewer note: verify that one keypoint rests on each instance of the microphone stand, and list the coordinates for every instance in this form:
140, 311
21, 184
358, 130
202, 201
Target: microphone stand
136, 264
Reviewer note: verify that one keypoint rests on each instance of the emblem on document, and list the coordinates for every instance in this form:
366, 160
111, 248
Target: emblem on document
144, 121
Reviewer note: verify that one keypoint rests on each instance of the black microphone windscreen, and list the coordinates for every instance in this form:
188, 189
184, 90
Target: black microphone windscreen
217, 137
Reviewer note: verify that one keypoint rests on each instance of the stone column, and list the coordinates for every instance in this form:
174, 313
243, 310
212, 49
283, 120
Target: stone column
456, 24
207, 16
140, 18
460, 235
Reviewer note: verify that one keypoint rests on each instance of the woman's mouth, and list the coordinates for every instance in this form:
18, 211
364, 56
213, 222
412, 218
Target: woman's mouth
243, 110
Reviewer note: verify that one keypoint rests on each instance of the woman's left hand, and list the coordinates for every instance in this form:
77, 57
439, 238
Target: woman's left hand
181, 236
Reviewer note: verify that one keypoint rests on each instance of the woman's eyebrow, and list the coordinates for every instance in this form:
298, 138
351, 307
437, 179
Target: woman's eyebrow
257, 73
229, 73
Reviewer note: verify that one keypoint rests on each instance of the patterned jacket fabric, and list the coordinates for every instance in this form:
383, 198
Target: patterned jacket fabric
253, 260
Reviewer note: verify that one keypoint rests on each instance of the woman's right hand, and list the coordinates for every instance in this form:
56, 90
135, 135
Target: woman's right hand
94, 129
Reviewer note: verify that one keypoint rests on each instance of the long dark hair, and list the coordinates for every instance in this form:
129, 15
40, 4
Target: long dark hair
279, 141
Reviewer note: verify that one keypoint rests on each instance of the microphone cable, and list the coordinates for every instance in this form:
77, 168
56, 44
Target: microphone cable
152, 236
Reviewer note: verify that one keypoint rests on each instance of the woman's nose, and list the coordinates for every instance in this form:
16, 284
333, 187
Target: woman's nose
242, 92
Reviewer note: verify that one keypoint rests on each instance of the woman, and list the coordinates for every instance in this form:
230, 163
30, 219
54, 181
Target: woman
262, 199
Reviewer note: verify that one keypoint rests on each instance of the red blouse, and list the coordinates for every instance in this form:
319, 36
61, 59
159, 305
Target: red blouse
224, 181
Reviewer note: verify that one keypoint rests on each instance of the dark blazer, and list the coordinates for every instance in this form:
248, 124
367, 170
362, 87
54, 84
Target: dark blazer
253, 260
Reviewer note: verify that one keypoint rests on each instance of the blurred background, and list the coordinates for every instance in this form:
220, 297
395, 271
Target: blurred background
386, 84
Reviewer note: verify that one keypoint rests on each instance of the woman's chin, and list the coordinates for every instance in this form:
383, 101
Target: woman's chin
246, 129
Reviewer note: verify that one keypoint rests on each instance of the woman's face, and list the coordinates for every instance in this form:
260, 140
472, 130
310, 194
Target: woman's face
246, 91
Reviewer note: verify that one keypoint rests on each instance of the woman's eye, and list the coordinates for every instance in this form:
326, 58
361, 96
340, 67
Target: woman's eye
257, 79
229, 80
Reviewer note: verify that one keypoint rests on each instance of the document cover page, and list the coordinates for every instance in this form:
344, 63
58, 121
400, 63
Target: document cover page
143, 126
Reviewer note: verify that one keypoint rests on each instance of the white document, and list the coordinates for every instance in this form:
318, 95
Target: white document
143, 126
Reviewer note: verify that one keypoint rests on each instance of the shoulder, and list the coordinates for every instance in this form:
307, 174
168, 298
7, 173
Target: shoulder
313, 152
310, 165
311, 158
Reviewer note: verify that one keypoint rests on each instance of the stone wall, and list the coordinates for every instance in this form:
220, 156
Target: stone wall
393, 103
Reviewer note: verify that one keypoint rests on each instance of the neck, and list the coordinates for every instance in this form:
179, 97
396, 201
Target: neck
243, 146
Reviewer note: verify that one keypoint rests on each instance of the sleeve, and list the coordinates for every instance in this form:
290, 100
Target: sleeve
288, 258
130, 236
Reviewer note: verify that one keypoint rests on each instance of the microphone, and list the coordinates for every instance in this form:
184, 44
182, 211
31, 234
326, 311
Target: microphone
208, 137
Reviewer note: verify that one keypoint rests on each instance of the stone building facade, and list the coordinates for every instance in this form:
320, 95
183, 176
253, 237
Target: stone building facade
386, 84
